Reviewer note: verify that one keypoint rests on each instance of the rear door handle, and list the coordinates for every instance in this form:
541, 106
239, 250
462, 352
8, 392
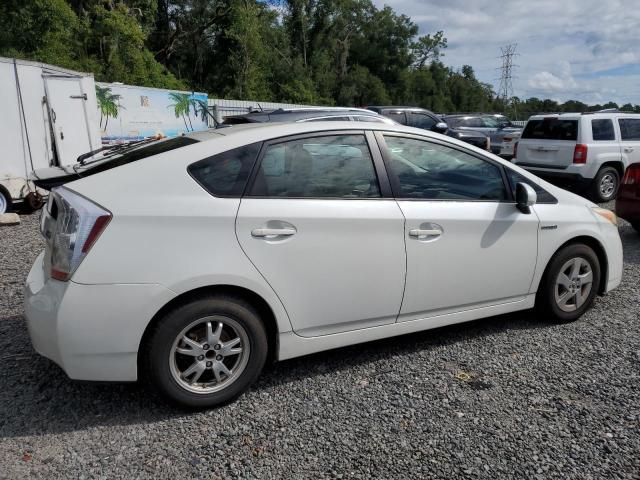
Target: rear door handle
417, 232
272, 232
628, 149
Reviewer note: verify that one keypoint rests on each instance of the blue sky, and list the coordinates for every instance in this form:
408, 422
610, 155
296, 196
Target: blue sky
586, 50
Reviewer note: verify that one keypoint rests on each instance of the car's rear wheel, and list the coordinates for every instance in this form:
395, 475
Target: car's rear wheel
636, 226
206, 352
605, 185
570, 284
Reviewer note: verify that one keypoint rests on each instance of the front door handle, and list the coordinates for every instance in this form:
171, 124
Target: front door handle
272, 232
417, 232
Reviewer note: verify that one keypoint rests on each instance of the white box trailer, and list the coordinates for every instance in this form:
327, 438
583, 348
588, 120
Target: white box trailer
48, 117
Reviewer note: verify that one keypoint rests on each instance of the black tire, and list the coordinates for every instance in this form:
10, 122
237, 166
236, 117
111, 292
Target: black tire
546, 302
157, 350
636, 226
605, 185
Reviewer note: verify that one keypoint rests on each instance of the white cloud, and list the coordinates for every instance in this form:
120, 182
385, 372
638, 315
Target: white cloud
562, 45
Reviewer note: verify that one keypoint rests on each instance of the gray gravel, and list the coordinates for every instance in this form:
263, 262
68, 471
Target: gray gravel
506, 397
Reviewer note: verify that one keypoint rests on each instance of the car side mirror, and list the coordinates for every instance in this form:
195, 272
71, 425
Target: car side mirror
440, 127
526, 197
503, 125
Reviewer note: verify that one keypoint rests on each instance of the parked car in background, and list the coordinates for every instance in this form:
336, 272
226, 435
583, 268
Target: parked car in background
421, 118
495, 126
188, 262
307, 114
628, 201
589, 151
507, 150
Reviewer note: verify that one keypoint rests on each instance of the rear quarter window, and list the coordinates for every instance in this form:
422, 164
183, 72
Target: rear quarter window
551, 129
226, 174
602, 129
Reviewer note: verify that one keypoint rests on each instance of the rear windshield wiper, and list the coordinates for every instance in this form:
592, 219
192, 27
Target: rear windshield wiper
112, 150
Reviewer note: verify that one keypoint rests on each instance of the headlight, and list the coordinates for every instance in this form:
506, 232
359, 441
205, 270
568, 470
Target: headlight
606, 214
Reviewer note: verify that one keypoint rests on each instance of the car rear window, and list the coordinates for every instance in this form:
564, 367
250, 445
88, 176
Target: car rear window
602, 129
226, 174
551, 129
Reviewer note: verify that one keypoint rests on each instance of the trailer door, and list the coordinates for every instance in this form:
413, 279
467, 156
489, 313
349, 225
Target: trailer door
68, 113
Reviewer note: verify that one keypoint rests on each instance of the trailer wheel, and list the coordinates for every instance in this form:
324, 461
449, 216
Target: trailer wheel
5, 201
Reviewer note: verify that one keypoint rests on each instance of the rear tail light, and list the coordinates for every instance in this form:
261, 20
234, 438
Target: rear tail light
580, 153
515, 150
632, 175
72, 226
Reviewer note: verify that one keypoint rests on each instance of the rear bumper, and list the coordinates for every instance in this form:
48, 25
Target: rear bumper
559, 176
92, 332
628, 205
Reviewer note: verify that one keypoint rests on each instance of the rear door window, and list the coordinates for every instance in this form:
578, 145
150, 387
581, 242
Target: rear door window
629, 128
334, 166
602, 129
551, 129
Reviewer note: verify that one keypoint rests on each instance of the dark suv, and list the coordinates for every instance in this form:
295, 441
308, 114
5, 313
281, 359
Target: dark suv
421, 118
495, 126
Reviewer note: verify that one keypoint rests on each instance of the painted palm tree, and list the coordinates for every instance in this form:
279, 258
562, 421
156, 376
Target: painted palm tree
108, 104
181, 107
201, 107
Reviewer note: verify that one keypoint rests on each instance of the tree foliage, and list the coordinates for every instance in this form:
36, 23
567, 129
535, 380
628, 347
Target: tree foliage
331, 52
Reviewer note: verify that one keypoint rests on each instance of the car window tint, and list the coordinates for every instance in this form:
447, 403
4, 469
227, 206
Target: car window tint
551, 128
473, 122
436, 172
602, 129
397, 116
336, 166
629, 128
421, 120
490, 122
226, 174
515, 178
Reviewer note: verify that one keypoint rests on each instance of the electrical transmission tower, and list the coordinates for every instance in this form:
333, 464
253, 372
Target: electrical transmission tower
505, 92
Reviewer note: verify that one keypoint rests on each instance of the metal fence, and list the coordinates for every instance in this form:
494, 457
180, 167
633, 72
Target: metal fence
221, 108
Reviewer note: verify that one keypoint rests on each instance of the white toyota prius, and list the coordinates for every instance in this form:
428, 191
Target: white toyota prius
189, 262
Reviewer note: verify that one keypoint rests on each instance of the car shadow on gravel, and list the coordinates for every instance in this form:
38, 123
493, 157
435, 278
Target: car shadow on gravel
37, 398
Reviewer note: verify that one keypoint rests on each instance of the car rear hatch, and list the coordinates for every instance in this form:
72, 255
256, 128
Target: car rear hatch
548, 142
105, 159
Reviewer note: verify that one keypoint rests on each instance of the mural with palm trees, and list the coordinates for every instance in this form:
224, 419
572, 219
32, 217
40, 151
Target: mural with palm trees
108, 104
143, 112
182, 105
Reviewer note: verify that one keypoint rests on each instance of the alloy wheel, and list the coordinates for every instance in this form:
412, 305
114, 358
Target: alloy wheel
608, 185
209, 354
573, 284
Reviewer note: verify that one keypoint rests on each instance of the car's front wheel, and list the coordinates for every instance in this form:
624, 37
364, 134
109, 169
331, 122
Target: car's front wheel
570, 283
206, 352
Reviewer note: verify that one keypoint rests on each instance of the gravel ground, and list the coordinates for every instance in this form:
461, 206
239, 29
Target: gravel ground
505, 397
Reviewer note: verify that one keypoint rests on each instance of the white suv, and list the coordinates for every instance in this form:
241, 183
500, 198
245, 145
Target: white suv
588, 150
